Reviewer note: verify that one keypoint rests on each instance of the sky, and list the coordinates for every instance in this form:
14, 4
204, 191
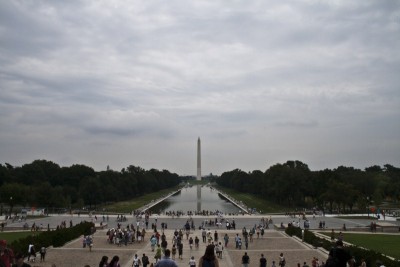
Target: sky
120, 83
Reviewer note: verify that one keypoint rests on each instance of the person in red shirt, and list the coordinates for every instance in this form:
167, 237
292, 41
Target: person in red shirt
6, 254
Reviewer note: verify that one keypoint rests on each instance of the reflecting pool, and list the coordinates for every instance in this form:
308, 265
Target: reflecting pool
196, 198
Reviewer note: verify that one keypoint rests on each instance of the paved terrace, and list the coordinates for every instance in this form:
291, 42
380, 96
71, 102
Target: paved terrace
273, 243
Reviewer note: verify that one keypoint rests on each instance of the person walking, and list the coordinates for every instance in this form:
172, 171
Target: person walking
42, 253
136, 261
209, 259
282, 260
158, 253
339, 257
226, 239
103, 262
263, 261
145, 260
114, 262
166, 261
192, 262
245, 260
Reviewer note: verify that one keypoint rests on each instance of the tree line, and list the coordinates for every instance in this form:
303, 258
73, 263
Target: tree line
45, 184
343, 189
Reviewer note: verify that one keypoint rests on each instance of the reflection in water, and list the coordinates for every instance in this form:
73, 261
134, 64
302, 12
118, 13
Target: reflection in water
196, 198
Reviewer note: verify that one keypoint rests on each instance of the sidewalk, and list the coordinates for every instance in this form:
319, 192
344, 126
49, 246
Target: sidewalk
273, 243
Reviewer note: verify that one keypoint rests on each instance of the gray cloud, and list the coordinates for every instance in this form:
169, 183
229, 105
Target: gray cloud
121, 82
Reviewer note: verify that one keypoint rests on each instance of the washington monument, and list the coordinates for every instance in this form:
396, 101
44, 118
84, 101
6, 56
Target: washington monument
198, 178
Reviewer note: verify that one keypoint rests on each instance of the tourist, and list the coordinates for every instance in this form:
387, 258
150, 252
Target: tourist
158, 253
42, 253
339, 257
145, 260
103, 262
282, 260
196, 242
153, 242
173, 252
263, 261
180, 250
31, 252
245, 260
136, 261
166, 261
114, 262
19, 261
191, 241
226, 239
209, 258
192, 262
6, 254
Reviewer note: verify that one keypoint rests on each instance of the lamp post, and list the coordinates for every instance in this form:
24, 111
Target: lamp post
368, 206
11, 206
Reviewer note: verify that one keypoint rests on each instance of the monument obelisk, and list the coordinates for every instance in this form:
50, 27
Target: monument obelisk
198, 178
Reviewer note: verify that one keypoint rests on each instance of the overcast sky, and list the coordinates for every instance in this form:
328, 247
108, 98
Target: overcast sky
124, 83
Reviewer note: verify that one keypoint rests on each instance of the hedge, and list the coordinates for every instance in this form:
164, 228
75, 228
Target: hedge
56, 238
370, 256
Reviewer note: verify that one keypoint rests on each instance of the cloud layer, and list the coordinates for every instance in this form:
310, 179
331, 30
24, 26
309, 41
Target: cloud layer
136, 82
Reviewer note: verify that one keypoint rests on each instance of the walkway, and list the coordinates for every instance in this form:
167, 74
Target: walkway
273, 243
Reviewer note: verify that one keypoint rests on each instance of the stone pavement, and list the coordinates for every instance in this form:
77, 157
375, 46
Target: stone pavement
271, 245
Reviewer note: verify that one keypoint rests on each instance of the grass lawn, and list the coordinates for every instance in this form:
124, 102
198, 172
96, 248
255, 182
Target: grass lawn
253, 201
135, 203
11, 236
385, 244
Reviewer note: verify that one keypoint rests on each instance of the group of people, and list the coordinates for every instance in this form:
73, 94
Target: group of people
8, 259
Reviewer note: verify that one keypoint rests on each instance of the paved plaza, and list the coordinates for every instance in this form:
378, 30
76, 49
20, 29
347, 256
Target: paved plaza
271, 245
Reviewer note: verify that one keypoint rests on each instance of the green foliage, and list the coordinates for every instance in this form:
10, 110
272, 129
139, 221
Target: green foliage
370, 256
45, 184
55, 238
343, 189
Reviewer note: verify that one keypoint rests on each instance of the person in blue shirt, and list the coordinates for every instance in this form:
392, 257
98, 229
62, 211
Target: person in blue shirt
166, 261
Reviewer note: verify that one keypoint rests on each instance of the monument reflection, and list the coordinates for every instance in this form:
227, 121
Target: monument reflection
195, 198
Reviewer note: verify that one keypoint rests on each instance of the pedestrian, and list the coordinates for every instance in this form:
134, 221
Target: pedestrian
192, 262
245, 260
282, 260
173, 252
209, 258
263, 261
103, 262
42, 253
180, 250
166, 261
226, 239
158, 253
136, 261
145, 260
6, 254
114, 262
339, 257
19, 261
31, 252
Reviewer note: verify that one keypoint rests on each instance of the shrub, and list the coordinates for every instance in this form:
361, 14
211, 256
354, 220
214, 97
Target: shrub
56, 238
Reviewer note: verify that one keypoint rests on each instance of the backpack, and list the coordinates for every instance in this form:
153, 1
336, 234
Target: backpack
332, 260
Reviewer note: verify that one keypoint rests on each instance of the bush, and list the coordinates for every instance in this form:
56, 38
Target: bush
370, 256
56, 238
